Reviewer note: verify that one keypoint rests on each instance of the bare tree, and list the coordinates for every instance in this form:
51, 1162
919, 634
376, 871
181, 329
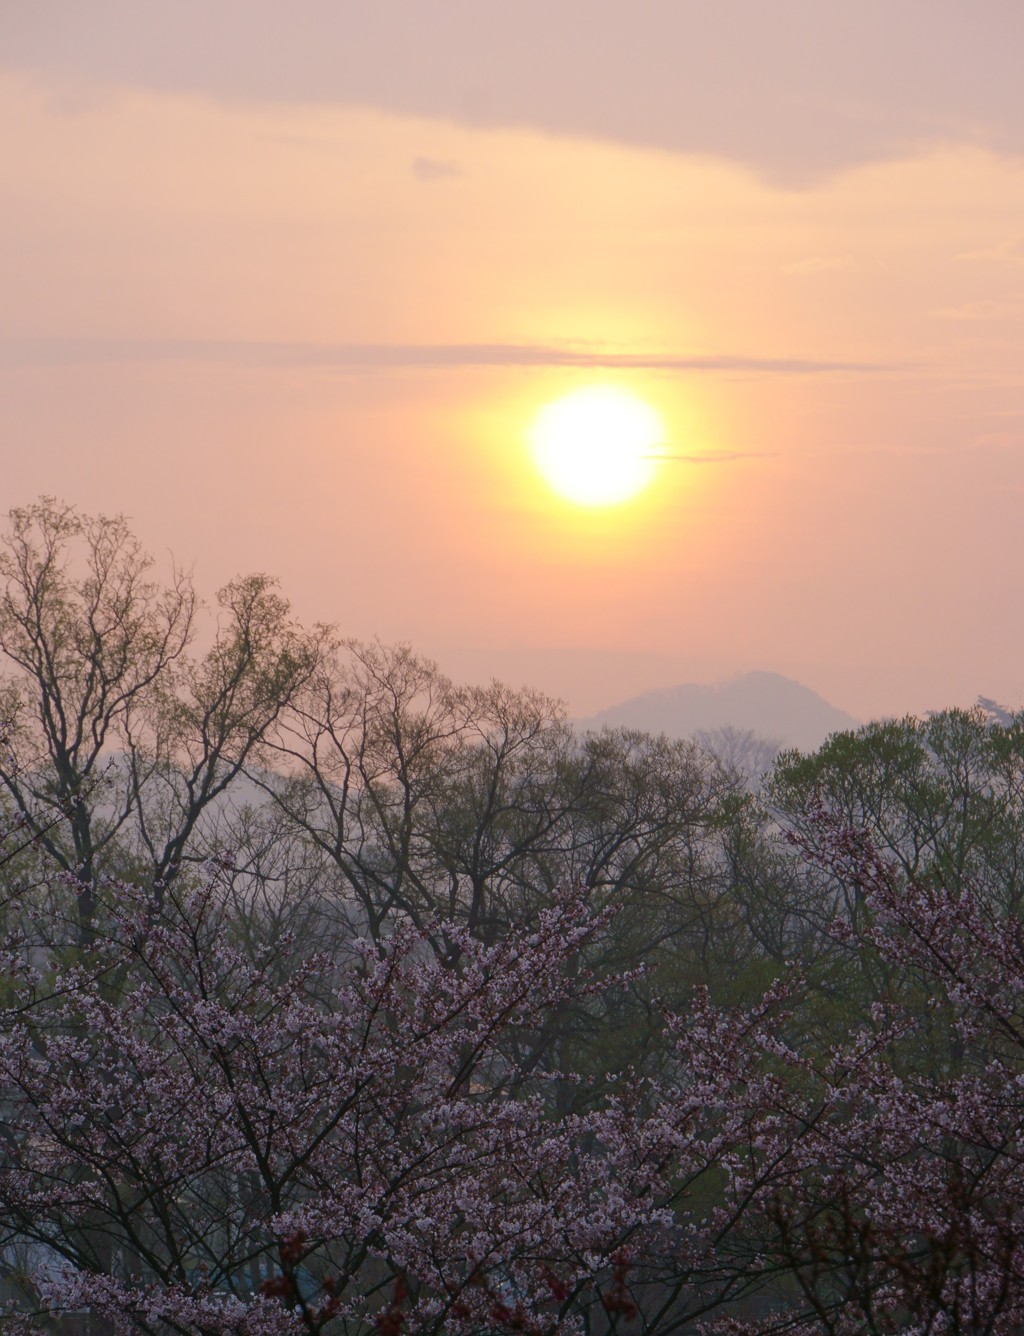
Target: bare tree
371, 756
742, 754
119, 739
90, 636
193, 742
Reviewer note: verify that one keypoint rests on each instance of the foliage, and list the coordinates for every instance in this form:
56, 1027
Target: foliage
203, 1139
900, 1207
339, 997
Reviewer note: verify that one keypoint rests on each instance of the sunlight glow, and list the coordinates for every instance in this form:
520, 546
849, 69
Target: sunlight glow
598, 446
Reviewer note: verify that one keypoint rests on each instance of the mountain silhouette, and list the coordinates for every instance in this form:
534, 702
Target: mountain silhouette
767, 704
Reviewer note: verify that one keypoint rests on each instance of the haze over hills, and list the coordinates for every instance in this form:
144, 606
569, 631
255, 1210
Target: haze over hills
768, 704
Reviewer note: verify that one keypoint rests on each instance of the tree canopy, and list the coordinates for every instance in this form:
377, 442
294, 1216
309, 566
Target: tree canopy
337, 996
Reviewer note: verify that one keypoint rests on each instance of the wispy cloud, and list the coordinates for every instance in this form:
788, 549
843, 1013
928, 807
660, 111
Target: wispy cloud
712, 457
1010, 251
435, 169
1008, 308
406, 356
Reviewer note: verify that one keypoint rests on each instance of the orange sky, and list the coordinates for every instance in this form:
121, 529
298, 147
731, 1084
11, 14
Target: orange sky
310, 334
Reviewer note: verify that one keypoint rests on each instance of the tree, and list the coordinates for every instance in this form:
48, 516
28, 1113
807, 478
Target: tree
225, 1111
119, 741
198, 739
744, 755
89, 646
903, 1187
422, 793
202, 1138
471, 806
943, 796
360, 999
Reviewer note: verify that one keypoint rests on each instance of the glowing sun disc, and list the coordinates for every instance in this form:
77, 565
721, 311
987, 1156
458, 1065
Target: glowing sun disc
597, 446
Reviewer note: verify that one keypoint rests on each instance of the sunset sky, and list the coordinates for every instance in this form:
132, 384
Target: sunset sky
290, 284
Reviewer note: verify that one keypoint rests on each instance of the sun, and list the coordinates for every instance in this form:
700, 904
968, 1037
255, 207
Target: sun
598, 446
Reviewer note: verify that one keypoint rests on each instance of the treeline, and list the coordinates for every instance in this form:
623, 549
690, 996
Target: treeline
340, 997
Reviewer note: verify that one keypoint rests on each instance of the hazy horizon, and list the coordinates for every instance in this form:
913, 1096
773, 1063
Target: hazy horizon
290, 290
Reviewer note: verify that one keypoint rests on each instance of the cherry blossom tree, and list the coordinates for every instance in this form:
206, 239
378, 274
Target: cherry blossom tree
899, 1204
203, 1138
204, 1133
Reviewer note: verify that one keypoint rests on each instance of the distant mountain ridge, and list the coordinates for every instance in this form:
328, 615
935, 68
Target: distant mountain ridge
768, 704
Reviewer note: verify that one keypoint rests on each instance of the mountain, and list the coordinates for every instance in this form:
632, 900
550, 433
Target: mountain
768, 704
